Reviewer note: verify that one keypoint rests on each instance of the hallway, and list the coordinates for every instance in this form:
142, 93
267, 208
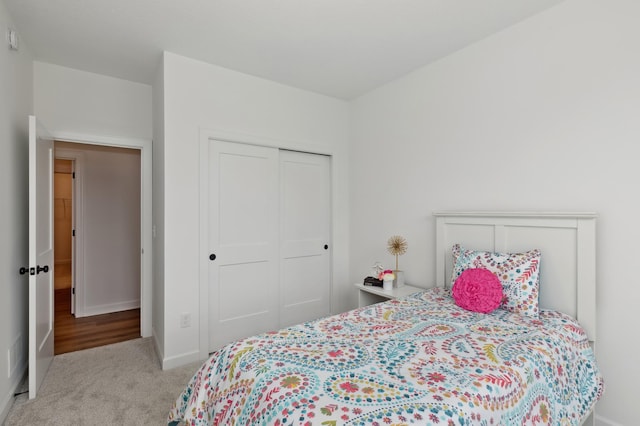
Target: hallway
74, 334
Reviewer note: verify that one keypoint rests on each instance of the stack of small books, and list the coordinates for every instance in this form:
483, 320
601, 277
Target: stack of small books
373, 282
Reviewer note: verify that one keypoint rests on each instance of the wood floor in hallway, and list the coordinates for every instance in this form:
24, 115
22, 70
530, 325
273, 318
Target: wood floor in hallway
74, 334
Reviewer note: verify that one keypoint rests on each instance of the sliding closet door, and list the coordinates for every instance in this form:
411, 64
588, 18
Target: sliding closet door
305, 230
243, 241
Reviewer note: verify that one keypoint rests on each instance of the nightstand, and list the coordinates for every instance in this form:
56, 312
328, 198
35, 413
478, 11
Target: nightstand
368, 295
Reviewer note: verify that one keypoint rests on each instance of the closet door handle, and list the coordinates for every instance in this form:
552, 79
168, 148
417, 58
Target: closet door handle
44, 269
326, 246
212, 256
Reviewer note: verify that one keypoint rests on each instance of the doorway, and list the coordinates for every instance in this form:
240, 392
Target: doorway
97, 209
63, 226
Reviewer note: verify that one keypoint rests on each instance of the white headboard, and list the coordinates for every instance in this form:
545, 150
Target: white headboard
567, 242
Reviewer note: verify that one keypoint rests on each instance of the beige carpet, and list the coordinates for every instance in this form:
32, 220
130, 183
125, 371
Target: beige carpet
119, 384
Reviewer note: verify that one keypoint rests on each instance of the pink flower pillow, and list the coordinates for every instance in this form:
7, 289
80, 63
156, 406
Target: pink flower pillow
478, 290
519, 274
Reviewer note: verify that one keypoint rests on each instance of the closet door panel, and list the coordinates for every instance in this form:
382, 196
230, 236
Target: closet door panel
304, 283
243, 228
305, 232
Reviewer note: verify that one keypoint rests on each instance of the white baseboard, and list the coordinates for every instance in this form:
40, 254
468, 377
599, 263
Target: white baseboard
180, 360
108, 308
177, 360
603, 421
7, 400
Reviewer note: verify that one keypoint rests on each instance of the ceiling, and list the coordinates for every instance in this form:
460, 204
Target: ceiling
340, 48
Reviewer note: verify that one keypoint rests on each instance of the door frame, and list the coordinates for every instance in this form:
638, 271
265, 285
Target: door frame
77, 223
145, 147
206, 135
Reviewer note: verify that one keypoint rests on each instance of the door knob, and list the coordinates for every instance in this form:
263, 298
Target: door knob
326, 246
44, 269
212, 256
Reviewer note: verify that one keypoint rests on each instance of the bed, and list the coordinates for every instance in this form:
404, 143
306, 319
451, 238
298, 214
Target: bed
423, 359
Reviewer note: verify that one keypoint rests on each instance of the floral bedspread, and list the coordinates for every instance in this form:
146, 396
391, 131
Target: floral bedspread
418, 360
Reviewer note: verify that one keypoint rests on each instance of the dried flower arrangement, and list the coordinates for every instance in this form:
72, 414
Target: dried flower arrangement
397, 246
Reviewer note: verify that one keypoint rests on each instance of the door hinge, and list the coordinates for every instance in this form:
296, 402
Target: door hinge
73, 233
73, 290
73, 175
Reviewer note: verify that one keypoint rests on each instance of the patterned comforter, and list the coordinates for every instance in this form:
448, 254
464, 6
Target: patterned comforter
418, 360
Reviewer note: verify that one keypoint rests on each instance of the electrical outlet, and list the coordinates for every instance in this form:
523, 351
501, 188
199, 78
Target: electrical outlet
185, 320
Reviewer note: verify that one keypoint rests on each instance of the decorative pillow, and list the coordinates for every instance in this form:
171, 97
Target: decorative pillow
519, 274
477, 290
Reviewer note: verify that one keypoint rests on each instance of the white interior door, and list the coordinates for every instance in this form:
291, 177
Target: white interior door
41, 310
243, 241
305, 224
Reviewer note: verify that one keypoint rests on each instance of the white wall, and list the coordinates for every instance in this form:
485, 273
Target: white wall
542, 116
158, 210
110, 205
197, 96
69, 101
16, 93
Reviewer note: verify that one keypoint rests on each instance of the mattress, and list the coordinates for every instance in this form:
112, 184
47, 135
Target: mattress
416, 360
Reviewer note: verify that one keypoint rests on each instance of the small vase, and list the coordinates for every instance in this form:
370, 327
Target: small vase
387, 285
399, 280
